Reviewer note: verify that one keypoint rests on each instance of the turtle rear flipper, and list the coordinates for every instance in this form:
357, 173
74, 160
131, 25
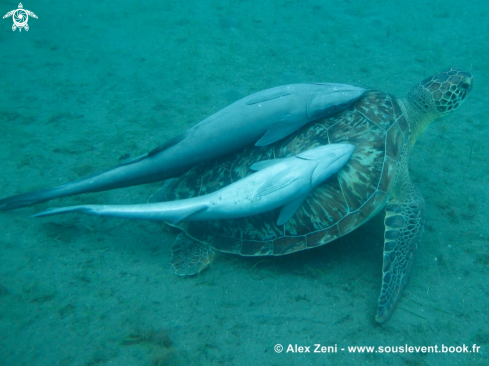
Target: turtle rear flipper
404, 221
189, 257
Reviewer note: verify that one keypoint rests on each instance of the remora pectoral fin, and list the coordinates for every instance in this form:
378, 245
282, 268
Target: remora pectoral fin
278, 181
278, 131
289, 209
185, 213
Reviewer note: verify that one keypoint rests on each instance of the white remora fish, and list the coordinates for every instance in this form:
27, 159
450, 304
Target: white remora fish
259, 119
279, 182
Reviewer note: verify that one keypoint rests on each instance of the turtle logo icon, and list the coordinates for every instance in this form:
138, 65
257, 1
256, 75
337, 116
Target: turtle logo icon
20, 17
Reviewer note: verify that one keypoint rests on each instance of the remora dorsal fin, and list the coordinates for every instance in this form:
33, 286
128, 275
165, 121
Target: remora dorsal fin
278, 181
289, 209
169, 143
135, 160
182, 214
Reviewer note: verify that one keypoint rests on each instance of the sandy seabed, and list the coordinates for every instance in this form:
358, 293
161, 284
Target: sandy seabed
90, 83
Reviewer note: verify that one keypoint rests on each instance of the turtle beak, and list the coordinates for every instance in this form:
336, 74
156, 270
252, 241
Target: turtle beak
471, 82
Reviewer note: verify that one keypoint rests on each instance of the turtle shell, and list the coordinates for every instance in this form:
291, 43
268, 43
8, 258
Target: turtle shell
374, 124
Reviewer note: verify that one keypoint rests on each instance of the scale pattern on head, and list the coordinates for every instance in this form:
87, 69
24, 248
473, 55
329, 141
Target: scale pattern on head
434, 97
448, 88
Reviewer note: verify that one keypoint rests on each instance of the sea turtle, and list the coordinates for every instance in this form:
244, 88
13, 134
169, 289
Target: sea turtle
383, 130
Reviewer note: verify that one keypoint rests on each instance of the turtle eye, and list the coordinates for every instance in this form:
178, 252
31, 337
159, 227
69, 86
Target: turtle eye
464, 85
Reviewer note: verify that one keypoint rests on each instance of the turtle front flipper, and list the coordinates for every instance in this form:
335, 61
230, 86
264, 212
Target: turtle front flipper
404, 221
189, 257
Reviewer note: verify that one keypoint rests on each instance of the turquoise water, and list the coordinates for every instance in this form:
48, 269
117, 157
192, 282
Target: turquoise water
90, 83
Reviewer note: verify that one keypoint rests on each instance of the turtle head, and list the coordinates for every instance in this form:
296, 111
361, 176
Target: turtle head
441, 93
448, 88
436, 96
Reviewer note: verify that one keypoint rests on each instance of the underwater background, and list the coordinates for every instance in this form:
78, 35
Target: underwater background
93, 82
